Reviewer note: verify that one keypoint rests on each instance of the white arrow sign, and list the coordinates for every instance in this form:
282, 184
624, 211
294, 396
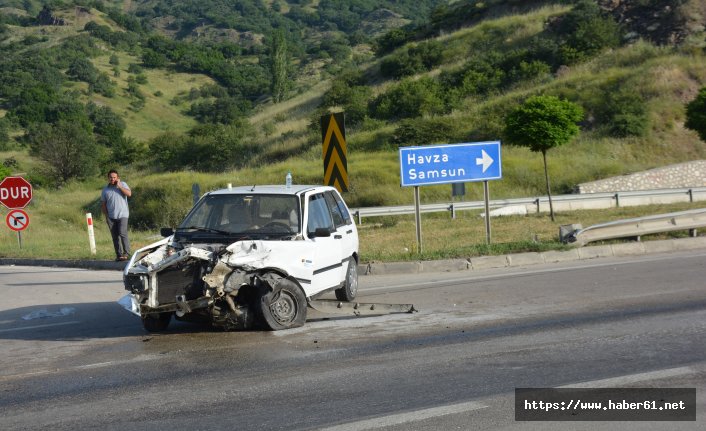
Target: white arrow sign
486, 160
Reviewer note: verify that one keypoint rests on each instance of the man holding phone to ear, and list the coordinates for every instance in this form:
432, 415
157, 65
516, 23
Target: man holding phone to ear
115, 209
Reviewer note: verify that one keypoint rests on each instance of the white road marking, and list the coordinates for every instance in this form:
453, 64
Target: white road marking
471, 277
24, 328
633, 378
140, 358
402, 418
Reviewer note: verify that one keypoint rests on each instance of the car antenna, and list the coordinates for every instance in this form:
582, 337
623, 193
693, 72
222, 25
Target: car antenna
253, 188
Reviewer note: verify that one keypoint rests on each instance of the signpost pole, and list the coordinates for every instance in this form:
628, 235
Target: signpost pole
19, 238
486, 195
418, 219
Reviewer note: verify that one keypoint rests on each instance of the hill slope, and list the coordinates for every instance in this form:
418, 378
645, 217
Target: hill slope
450, 78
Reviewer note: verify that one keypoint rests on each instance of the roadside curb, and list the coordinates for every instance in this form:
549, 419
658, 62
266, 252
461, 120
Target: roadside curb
444, 265
533, 258
65, 263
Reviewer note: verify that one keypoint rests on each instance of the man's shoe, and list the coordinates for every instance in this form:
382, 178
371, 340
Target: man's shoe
123, 258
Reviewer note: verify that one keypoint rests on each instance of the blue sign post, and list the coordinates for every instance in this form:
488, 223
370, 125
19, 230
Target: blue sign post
452, 163
455, 163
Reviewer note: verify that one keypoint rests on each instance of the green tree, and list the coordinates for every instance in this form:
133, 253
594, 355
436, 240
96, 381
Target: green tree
4, 134
81, 69
279, 65
67, 148
542, 123
696, 114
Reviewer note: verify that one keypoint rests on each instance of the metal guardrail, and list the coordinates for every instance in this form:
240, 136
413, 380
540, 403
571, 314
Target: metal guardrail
635, 227
536, 203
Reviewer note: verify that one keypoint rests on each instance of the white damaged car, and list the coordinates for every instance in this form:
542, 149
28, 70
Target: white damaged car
246, 257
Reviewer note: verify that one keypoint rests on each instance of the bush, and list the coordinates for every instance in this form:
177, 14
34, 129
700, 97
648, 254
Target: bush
107, 125
127, 150
623, 113
390, 40
479, 76
223, 110
585, 31
81, 69
167, 150
352, 98
409, 99
208, 148
422, 57
4, 172
156, 205
696, 114
424, 131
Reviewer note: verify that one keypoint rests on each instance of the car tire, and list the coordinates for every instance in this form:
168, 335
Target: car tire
283, 306
349, 290
156, 322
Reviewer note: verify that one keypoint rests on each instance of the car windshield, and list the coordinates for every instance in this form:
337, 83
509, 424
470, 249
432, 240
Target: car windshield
253, 215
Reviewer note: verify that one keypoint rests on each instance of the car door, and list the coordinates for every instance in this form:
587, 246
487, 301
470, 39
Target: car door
327, 272
345, 229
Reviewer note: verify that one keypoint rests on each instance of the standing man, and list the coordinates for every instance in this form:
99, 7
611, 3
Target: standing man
114, 207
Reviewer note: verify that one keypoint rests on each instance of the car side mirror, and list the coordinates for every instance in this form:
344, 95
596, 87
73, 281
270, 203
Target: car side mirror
166, 231
322, 232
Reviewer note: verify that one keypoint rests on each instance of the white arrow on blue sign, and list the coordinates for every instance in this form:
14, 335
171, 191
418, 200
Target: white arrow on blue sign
454, 163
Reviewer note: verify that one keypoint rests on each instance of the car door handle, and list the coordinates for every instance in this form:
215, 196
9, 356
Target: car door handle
349, 231
338, 236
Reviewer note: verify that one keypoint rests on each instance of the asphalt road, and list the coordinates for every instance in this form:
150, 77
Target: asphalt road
73, 359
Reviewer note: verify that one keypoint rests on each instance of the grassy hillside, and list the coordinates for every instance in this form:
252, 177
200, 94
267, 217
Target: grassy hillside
662, 78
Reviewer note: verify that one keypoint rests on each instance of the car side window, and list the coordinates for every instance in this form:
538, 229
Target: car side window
319, 215
338, 218
342, 208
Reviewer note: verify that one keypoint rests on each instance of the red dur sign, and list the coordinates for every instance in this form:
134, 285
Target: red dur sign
15, 192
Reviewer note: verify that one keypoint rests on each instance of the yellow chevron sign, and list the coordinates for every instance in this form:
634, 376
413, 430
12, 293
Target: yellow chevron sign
333, 133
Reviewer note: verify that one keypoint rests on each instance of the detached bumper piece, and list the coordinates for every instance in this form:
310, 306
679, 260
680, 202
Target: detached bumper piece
359, 308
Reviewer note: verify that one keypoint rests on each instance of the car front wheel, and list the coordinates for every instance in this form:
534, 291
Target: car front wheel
284, 306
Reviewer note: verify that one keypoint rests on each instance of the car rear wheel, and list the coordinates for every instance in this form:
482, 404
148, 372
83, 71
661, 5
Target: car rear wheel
284, 306
156, 322
350, 287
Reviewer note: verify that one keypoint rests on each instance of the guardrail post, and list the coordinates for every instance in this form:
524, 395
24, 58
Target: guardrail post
453, 211
357, 215
536, 202
617, 200
691, 195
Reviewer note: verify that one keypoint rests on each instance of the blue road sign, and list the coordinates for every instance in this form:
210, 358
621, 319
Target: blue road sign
454, 163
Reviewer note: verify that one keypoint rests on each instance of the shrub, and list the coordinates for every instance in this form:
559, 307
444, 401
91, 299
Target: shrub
424, 131
4, 172
696, 114
410, 98
353, 99
390, 40
623, 113
156, 205
422, 57
127, 150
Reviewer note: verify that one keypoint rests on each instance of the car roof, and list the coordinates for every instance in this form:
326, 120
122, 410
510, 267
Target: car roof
270, 189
